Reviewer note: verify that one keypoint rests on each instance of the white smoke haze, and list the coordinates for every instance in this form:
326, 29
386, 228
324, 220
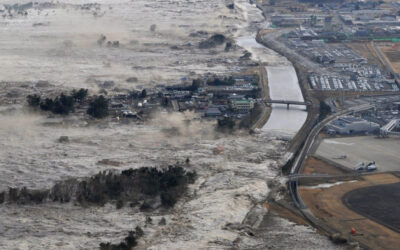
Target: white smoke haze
19, 128
177, 128
63, 50
32, 52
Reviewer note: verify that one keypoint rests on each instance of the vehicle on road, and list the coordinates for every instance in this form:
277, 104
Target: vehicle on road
366, 167
340, 157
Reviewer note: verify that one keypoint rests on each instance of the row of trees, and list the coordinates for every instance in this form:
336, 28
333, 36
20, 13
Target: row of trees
221, 82
128, 242
324, 110
133, 185
62, 104
98, 108
65, 104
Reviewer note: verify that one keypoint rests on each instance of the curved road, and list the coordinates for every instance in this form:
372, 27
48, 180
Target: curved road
298, 163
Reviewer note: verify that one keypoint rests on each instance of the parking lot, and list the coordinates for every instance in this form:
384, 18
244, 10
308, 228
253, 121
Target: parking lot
385, 152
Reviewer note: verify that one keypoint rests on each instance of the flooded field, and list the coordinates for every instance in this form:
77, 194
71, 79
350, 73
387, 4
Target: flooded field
58, 42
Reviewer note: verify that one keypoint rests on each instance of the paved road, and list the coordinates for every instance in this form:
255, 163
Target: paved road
272, 38
298, 163
388, 65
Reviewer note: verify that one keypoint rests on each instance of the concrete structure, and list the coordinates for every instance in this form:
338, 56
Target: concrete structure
242, 105
288, 20
212, 112
351, 125
390, 127
240, 89
384, 152
288, 103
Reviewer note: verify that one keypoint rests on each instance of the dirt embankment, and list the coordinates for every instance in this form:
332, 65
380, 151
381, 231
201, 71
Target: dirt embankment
314, 165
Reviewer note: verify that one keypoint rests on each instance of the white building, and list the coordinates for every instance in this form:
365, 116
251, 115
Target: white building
352, 125
242, 105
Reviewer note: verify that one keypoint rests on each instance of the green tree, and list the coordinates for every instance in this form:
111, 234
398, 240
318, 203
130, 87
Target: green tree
196, 84
33, 100
63, 105
47, 104
226, 123
324, 110
98, 108
228, 46
168, 199
143, 94
313, 20
79, 95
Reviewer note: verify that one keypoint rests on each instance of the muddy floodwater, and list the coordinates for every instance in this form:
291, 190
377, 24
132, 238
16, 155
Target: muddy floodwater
283, 84
53, 46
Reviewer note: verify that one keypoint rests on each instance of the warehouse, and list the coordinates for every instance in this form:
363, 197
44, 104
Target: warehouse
352, 125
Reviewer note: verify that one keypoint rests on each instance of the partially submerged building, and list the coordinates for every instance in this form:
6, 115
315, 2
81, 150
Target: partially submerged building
213, 112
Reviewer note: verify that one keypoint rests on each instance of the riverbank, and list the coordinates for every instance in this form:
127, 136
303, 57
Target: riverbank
283, 84
301, 72
266, 110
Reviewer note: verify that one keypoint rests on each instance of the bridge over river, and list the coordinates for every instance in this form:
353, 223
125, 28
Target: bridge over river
288, 103
284, 90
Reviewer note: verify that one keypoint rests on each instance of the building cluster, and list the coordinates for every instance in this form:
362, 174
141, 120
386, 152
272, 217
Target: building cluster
352, 125
386, 109
385, 116
351, 83
327, 53
321, 33
341, 20
295, 20
347, 69
233, 97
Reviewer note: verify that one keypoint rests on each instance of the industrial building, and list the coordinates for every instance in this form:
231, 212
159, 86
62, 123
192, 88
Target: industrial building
288, 20
212, 112
352, 82
352, 125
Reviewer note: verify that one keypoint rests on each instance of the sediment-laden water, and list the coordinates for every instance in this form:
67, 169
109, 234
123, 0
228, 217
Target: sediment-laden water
58, 43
